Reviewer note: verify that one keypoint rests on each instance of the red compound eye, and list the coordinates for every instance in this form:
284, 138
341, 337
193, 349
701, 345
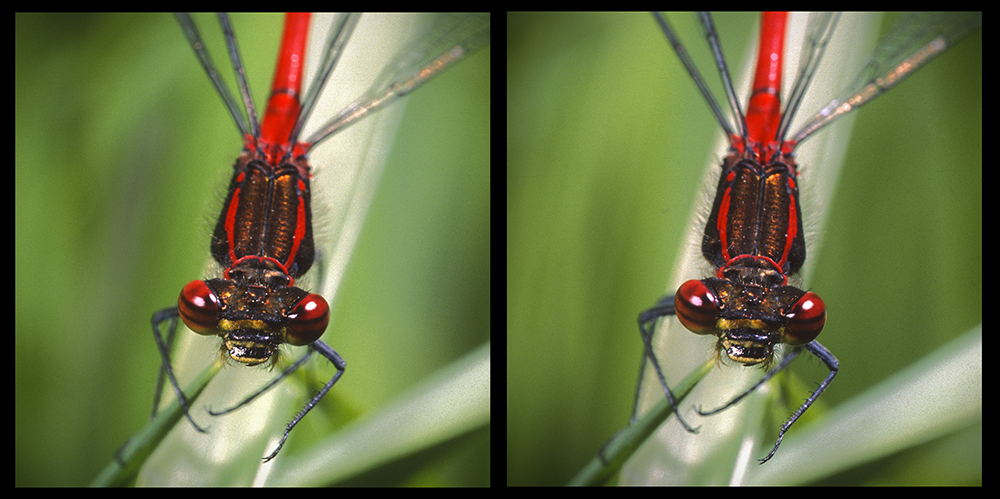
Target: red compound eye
199, 307
308, 320
696, 307
805, 320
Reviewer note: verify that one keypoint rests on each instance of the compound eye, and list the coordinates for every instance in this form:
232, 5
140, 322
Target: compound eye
696, 307
199, 307
805, 320
308, 320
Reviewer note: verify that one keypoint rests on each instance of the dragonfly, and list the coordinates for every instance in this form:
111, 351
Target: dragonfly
755, 247
263, 242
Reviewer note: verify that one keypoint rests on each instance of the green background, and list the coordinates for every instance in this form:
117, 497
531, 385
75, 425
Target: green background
606, 138
122, 154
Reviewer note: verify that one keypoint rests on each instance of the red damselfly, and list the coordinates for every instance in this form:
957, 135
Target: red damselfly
263, 241
754, 235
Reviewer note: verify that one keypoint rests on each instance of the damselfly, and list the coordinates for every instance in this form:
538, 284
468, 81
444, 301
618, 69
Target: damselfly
754, 236
263, 240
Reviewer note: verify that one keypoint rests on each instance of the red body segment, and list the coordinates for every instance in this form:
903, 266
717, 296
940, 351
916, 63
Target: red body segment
286, 91
764, 109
